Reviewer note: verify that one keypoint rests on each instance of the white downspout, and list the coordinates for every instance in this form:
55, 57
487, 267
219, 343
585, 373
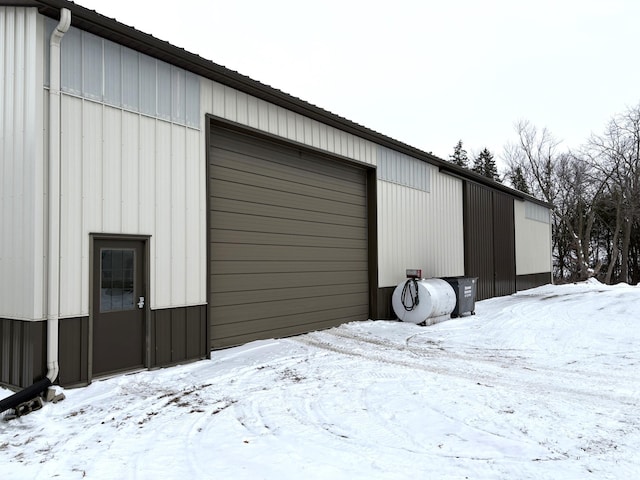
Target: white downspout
53, 256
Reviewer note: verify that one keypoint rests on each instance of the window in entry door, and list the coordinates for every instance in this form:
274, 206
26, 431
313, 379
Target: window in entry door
117, 284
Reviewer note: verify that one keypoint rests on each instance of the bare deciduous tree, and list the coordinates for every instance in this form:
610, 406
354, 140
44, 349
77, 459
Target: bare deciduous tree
568, 182
617, 154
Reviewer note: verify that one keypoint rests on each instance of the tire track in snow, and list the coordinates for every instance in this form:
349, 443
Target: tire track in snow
556, 392
392, 354
307, 404
388, 424
565, 315
503, 357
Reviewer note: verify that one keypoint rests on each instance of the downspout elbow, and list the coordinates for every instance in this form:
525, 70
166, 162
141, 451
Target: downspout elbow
63, 25
53, 257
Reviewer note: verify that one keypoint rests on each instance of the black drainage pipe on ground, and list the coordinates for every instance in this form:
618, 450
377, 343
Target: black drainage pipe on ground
25, 395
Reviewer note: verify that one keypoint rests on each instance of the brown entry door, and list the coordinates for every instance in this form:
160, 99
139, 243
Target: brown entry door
118, 306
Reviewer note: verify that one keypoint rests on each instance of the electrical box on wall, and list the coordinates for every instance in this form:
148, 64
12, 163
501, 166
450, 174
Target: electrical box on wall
414, 273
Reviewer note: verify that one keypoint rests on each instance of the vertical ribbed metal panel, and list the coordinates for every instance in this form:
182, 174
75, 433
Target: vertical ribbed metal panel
478, 226
418, 229
74, 351
12, 86
307, 126
92, 188
146, 173
37, 137
272, 113
147, 192
178, 335
230, 103
504, 244
22, 352
21, 172
161, 241
71, 203
130, 181
533, 239
253, 116
283, 127
239, 107
111, 169
242, 108
217, 98
525, 282
490, 240
178, 195
195, 176
445, 228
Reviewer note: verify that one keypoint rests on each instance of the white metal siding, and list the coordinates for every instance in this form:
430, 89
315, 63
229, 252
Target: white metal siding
418, 229
533, 239
239, 107
21, 173
127, 173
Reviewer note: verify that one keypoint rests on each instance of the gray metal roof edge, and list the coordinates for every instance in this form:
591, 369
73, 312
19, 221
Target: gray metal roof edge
469, 175
111, 29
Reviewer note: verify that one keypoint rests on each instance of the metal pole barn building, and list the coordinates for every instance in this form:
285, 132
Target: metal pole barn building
155, 205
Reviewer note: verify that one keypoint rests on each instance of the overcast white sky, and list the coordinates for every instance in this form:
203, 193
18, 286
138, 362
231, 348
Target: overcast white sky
425, 72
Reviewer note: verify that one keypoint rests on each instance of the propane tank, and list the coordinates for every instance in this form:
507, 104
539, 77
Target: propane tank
423, 300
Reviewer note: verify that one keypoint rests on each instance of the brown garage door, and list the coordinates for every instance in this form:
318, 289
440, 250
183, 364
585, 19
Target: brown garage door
288, 240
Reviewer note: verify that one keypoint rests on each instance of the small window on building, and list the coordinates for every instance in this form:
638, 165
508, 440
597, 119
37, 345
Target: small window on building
193, 100
537, 212
71, 62
98, 69
178, 94
92, 63
130, 79
147, 85
164, 90
112, 73
396, 167
117, 274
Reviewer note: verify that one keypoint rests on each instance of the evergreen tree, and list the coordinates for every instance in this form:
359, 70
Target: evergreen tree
485, 165
516, 177
478, 165
459, 156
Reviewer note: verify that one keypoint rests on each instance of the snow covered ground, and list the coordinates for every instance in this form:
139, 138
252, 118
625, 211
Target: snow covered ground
541, 384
